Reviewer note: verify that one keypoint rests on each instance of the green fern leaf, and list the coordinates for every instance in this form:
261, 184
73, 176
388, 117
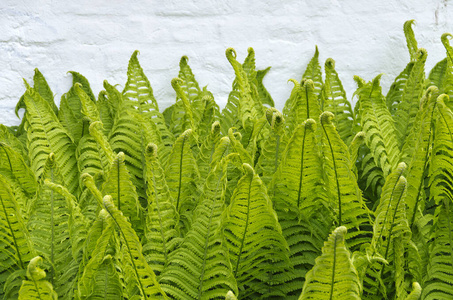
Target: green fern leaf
334, 100
410, 39
7, 137
50, 230
395, 93
161, 230
272, 147
200, 267
46, 135
313, 72
204, 157
118, 185
421, 156
410, 101
263, 94
36, 287
439, 276
15, 246
448, 87
182, 173
258, 250
346, 197
333, 276
377, 123
305, 105
139, 94
13, 166
40, 85
298, 194
70, 115
182, 116
139, 273
78, 78
100, 279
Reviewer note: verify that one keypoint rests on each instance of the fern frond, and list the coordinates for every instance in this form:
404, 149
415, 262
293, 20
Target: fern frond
138, 93
438, 284
264, 95
70, 115
100, 279
305, 105
78, 78
46, 135
313, 72
182, 115
50, 231
333, 276
15, 246
200, 268
161, 229
204, 157
7, 137
118, 185
299, 197
448, 87
13, 166
140, 275
395, 93
410, 39
272, 147
421, 156
249, 108
410, 101
346, 197
377, 123
36, 287
258, 250
333, 99
182, 173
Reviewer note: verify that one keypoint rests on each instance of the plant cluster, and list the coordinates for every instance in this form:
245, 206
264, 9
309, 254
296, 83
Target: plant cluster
109, 198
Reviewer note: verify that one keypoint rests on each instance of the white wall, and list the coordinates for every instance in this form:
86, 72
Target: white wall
96, 38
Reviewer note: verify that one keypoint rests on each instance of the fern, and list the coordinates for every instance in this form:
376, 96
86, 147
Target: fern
334, 100
16, 248
344, 193
161, 231
412, 93
380, 135
313, 73
50, 230
334, 275
258, 251
139, 273
45, 136
200, 268
36, 287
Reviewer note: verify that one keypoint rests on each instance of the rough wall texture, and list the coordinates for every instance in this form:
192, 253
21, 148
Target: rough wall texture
96, 38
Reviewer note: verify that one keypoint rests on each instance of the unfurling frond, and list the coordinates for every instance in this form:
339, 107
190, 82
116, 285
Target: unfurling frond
36, 287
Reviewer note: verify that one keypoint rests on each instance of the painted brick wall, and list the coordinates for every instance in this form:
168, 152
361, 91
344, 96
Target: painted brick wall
96, 38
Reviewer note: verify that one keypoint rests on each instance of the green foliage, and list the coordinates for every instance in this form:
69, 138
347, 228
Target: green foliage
117, 200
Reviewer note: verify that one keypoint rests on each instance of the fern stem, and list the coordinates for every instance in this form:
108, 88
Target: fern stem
301, 169
336, 175
52, 230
